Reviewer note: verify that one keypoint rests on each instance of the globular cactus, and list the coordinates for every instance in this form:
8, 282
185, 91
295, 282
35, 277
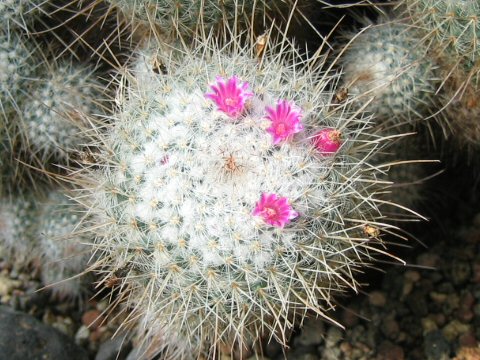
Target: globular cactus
231, 196
53, 118
451, 28
18, 221
385, 70
41, 230
62, 249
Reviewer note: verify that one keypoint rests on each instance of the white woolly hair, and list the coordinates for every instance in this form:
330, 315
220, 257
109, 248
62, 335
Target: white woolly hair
173, 218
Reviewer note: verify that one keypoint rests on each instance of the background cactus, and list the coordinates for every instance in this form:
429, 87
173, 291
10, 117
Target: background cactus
451, 28
384, 63
186, 17
62, 250
16, 69
53, 119
21, 13
18, 220
40, 230
232, 210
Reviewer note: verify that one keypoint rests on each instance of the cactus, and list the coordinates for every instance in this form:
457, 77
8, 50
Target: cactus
62, 250
20, 13
452, 28
228, 211
187, 16
18, 219
52, 120
41, 230
385, 70
15, 70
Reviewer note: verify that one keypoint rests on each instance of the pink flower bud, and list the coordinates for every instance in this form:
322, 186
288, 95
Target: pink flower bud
327, 141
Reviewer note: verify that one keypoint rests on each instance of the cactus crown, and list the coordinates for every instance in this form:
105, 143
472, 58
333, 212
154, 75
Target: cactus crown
233, 193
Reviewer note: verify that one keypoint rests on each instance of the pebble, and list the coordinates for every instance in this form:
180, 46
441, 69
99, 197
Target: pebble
389, 351
390, 327
453, 329
7, 285
467, 339
334, 335
377, 298
312, 333
429, 324
438, 298
412, 275
82, 335
468, 353
92, 319
24, 337
114, 348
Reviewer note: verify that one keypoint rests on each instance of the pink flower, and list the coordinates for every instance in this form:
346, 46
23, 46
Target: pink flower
274, 210
230, 95
327, 141
285, 120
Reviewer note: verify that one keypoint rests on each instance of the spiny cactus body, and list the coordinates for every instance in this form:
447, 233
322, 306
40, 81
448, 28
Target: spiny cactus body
383, 66
18, 220
41, 230
231, 197
185, 16
20, 13
54, 116
16, 68
451, 27
62, 250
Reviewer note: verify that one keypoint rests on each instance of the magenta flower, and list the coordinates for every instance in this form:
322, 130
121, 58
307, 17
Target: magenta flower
230, 95
285, 120
274, 210
327, 141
